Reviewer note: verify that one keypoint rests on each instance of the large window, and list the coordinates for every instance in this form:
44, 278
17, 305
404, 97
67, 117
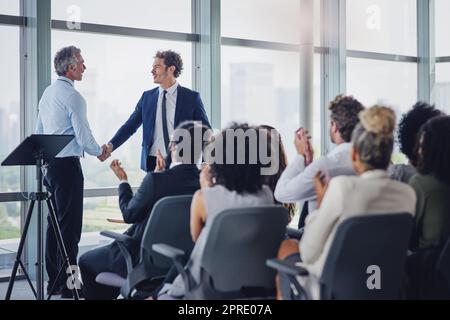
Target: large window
383, 26
265, 20
168, 15
442, 87
383, 82
262, 86
118, 72
442, 26
9, 126
10, 7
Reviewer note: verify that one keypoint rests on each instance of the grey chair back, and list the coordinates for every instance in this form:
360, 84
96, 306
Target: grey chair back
239, 243
364, 248
169, 223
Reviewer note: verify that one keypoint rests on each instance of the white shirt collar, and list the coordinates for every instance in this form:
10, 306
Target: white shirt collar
62, 78
171, 90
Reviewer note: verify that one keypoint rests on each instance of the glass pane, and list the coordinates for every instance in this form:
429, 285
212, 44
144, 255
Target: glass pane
382, 26
169, 15
442, 8
95, 213
442, 88
261, 87
9, 105
9, 235
10, 7
393, 84
317, 126
118, 72
269, 20
383, 82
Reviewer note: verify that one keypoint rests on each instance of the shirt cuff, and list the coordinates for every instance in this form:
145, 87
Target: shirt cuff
123, 181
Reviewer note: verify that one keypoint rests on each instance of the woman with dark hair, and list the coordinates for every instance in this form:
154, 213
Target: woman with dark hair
224, 184
408, 130
271, 180
432, 185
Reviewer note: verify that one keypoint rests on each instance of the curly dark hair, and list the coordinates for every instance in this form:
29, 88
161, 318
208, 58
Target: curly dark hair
171, 58
344, 112
240, 177
410, 125
433, 149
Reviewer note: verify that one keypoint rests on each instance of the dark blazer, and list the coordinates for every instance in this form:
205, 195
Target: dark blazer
189, 106
136, 209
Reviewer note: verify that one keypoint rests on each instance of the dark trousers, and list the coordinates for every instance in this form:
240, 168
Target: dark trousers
64, 180
104, 259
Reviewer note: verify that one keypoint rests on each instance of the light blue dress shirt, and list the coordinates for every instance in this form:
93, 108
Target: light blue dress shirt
62, 110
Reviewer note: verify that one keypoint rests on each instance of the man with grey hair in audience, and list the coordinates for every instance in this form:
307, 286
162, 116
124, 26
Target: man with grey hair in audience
62, 110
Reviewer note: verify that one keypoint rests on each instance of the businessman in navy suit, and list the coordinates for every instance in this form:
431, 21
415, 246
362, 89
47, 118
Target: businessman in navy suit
160, 110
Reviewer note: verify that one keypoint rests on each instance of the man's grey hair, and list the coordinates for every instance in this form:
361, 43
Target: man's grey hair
64, 58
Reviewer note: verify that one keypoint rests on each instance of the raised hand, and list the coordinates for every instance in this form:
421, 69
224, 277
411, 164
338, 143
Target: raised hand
160, 162
118, 170
303, 145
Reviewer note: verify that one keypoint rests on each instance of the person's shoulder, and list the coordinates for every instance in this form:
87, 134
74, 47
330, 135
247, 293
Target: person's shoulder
187, 91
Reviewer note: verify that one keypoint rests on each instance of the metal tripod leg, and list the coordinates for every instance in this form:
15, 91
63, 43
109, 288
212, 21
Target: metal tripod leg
62, 249
19, 254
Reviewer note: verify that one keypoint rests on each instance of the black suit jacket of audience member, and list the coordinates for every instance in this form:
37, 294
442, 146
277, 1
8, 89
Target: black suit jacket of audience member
179, 180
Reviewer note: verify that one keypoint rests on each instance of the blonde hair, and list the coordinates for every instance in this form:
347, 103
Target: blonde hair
373, 137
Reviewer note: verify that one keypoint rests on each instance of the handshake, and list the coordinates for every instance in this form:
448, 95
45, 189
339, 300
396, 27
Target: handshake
107, 149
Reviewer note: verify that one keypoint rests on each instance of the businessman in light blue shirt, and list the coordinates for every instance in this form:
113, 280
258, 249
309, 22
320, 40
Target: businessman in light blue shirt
62, 110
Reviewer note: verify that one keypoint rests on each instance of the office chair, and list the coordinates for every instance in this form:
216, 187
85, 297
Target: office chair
361, 245
232, 264
168, 223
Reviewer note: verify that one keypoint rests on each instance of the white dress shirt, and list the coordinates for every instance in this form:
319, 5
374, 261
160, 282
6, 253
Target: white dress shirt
371, 193
297, 181
62, 110
158, 136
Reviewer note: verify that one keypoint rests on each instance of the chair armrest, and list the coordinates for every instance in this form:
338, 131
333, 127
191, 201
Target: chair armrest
168, 251
294, 233
177, 256
115, 220
286, 267
116, 236
122, 239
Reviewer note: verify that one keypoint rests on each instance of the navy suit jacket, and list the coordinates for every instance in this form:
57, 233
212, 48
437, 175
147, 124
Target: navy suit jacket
136, 208
189, 106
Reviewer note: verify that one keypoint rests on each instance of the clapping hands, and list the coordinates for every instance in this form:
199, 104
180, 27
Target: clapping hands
302, 142
107, 150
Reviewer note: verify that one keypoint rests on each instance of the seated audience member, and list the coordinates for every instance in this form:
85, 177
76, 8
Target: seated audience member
432, 185
408, 130
224, 186
372, 192
181, 178
296, 183
271, 180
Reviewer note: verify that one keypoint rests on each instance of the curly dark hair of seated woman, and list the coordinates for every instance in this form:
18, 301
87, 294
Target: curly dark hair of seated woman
410, 125
242, 178
433, 149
